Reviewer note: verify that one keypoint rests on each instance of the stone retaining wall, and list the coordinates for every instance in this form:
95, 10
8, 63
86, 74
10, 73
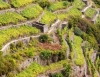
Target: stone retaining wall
24, 40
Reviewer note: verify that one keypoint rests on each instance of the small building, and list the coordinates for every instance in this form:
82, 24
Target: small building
42, 27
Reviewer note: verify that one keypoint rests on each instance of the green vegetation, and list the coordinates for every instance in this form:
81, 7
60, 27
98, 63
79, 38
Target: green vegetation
97, 2
90, 12
48, 18
10, 17
59, 5
82, 37
43, 3
78, 50
15, 32
68, 70
19, 3
73, 12
32, 12
4, 5
98, 20
15, 57
45, 54
35, 69
44, 38
58, 75
78, 31
91, 67
79, 4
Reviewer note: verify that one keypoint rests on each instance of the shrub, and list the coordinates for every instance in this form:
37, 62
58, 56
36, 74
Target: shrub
58, 75
62, 55
78, 31
67, 71
44, 38
12, 46
19, 44
30, 53
44, 3
45, 54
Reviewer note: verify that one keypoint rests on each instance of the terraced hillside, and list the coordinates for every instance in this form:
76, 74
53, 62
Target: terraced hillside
49, 38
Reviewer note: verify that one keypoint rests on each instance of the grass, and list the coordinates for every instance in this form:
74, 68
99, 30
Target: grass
48, 18
78, 50
19, 3
10, 17
4, 5
73, 12
35, 69
32, 12
79, 4
59, 5
90, 12
14, 32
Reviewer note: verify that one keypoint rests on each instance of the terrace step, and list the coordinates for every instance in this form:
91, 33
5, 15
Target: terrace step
62, 10
7, 10
54, 26
83, 11
48, 72
95, 17
39, 19
19, 10
29, 22
6, 47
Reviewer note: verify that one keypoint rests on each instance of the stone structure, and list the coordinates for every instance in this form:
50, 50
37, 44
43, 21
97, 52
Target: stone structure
64, 24
7, 1
42, 27
7, 10
86, 2
83, 11
52, 0
93, 56
24, 40
95, 17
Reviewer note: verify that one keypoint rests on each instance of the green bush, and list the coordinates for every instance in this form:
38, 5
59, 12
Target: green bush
58, 75
45, 54
19, 44
78, 31
67, 71
44, 3
44, 38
